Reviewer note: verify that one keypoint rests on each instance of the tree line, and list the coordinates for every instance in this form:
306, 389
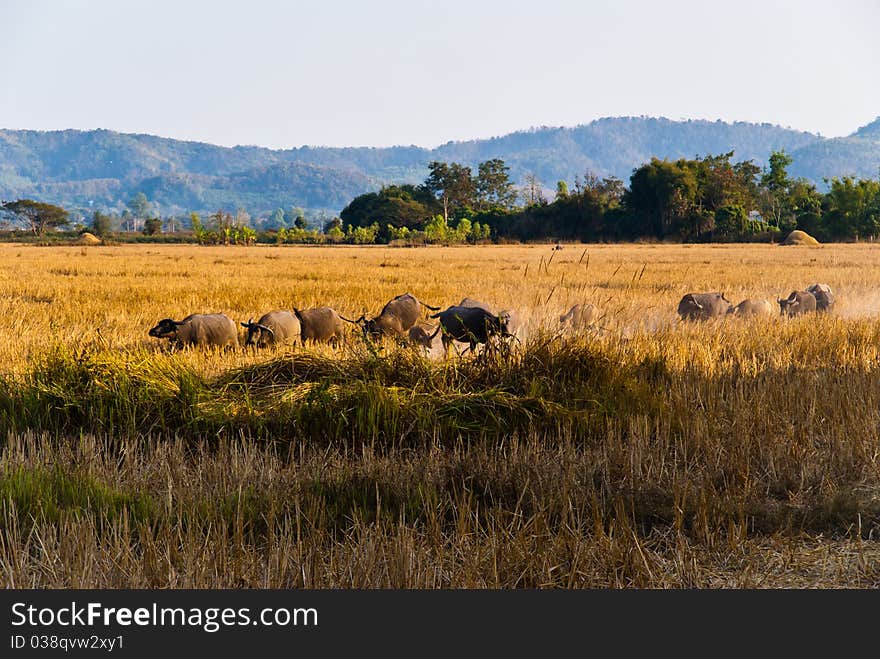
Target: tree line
710, 198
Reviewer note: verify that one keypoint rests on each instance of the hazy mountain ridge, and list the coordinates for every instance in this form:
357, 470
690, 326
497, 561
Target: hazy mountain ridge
102, 168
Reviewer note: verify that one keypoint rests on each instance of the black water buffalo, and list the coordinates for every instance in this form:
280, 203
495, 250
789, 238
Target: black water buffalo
513, 317
472, 325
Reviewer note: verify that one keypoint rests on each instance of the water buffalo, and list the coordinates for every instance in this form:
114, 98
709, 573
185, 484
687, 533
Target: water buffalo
750, 308
321, 324
513, 318
396, 318
703, 306
215, 329
824, 297
799, 302
472, 325
419, 336
578, 317
273, 327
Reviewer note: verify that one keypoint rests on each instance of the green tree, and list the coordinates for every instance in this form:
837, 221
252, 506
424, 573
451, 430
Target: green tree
662, 193
300, 222
333, 230
775, 202
222, 224
152, 226
452, 185
493, 187
247, 235
102, 225
362, 235
38, 216
463, 230
805, 206
852, 208
777, 177
437, 229
731, 221
397, 205
291, 215
561, 190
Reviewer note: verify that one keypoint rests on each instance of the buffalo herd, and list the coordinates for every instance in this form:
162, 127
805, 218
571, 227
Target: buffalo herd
469, 322
705, 306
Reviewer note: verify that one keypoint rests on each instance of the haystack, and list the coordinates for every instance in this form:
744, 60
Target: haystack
798, 237
87, 239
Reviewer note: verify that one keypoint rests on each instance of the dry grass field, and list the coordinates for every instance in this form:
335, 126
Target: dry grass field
647, 452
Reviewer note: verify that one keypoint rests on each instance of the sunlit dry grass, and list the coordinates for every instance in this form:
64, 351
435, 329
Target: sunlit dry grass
112, 295
646, 452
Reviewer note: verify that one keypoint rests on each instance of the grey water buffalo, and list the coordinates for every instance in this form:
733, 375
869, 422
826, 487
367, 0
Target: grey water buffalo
214, 329
396, 318
798, 303
703, 306
275, 327
824, 297
472, 325
321, 324
751, 308
580, 316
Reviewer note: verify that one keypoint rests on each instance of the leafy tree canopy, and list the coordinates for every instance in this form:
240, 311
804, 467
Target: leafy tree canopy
38, 216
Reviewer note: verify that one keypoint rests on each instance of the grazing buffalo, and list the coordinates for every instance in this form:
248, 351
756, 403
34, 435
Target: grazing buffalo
580, 316
419, 336
752, 308
472, 325
824, 297
275, 327
322, 325
215, 329
396, 318
513, 318
799, 302
703, 306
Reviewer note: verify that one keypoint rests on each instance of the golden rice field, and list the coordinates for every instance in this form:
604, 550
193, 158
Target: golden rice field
644, 453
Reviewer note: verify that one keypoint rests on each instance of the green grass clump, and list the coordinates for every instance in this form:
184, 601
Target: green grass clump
363, 398
49, 494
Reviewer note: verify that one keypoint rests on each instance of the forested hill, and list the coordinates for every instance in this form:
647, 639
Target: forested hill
104, 169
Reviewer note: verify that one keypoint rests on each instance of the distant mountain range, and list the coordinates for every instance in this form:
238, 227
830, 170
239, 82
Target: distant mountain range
103, 169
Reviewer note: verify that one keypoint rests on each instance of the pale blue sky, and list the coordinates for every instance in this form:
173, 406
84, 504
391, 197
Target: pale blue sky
384, 72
